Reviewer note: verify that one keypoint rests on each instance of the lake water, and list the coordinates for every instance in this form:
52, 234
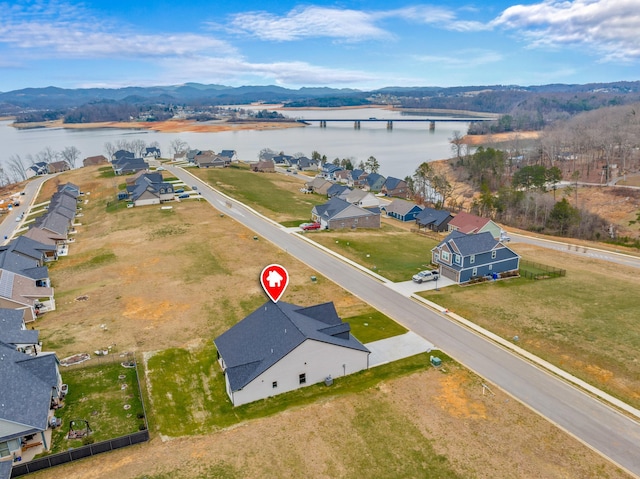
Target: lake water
399, 151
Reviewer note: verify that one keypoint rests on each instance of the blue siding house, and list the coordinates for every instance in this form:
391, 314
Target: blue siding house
402, 210
462, 257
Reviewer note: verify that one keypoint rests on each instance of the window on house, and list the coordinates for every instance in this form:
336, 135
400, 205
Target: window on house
274, 384
4, 449
490, 267
445, 256
303, 378
458, 259
493, 254
472, 258
474, 272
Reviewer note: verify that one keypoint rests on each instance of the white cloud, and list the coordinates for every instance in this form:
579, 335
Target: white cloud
463, 59
234, 70
609, 27
344, 24
310, 22
61, 30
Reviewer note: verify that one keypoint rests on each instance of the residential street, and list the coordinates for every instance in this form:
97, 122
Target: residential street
594, 423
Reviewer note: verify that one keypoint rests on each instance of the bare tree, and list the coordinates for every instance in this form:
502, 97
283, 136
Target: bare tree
4, 178
70, 154
456, 143
48, 155
17, 169
138, 147
123, 145
178, 146
267, 154
109, 149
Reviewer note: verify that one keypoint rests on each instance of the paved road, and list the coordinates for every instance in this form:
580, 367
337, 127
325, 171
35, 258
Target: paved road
618, 258
605, 430
9, 224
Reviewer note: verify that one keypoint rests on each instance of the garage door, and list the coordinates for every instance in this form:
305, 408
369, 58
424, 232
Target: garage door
449, 273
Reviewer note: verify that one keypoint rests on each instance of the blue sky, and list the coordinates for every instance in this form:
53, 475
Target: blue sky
344, 44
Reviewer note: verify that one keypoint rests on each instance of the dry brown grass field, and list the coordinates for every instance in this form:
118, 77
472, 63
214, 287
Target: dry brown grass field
155, 279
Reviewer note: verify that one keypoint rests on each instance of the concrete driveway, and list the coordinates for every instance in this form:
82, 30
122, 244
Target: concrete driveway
407, 288
397, 347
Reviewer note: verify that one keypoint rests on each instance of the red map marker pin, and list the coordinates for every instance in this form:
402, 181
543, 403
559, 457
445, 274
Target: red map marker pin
274, 279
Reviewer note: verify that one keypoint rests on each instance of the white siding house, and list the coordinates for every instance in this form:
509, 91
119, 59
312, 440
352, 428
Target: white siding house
281, 347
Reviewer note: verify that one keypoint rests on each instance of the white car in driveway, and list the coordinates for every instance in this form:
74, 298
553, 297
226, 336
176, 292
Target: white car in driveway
427, 275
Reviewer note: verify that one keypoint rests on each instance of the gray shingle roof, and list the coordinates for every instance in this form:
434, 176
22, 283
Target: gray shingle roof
274, 330
391, 183
5, 469
400, 207
64, 198
22, 265
54, 222
332, 208
430, 216
11, 332
26, 246
468, 244
27, 382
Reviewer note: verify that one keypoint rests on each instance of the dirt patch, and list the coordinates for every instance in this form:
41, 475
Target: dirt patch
477, 140
329, 440
181, 290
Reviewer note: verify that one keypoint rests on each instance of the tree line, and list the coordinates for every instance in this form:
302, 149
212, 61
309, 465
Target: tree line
16, 166
595, 147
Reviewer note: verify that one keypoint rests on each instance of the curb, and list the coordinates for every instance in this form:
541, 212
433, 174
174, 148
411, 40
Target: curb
465, 322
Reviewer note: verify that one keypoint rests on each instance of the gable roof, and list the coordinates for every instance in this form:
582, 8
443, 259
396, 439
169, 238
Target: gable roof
94, 160
374, 179
468, 223
431, 216
357, 173
12, 330
54, 222
27, 382
28, 247
392, 183
228, 153
22, 265
400, 207
338, 208
336, 189
70, 188
274, 330
120, 154
469, 244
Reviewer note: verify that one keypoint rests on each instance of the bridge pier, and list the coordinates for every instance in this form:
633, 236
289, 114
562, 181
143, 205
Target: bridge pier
432, 126
389, 125
356, 124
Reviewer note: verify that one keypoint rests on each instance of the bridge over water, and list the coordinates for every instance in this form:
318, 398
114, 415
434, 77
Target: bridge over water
358, 121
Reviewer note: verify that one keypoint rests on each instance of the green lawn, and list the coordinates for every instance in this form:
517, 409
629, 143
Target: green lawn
188, 391
96, 394
392, 252
264, 192
373, 326
586, 324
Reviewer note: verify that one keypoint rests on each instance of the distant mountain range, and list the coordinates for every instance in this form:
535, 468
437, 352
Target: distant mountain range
502, 97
